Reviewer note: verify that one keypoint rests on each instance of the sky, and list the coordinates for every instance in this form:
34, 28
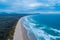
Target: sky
29, 6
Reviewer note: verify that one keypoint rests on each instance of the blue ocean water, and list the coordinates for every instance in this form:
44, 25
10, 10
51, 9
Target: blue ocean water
43, 26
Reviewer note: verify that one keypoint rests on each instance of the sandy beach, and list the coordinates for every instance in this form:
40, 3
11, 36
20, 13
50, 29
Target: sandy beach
20, 32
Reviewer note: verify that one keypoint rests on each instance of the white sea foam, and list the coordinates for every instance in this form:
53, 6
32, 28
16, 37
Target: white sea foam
39, 33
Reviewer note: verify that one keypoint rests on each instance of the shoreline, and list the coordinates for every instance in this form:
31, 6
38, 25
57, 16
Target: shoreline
20, 32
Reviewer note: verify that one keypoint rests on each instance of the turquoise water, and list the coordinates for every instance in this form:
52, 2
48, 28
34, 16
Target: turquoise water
43, 26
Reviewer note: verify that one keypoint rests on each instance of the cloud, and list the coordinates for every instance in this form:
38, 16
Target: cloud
38, 4
27, 5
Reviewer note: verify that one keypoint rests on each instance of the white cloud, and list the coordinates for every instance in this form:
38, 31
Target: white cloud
38, 4
33, 5
25, 5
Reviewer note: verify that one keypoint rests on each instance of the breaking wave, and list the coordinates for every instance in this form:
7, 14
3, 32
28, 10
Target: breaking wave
44, 27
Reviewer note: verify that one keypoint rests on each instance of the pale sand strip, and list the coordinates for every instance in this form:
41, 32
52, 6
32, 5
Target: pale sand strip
20, 32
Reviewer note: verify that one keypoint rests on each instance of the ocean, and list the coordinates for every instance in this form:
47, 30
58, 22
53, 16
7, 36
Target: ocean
42, 26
